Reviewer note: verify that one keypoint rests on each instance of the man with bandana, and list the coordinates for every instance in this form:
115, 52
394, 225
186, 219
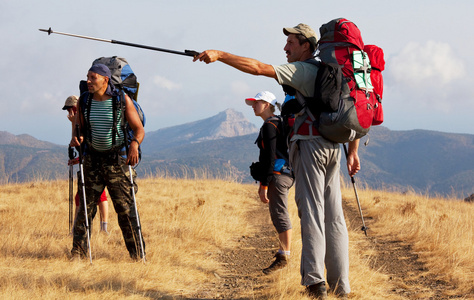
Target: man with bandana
105, 159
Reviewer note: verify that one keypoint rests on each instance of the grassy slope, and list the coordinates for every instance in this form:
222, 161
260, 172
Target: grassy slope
187, 222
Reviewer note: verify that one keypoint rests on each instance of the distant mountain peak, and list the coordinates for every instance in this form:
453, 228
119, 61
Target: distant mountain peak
228, 123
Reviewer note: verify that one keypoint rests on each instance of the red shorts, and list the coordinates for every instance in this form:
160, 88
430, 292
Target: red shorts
102, 198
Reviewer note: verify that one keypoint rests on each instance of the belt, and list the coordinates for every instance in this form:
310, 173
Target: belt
285, 171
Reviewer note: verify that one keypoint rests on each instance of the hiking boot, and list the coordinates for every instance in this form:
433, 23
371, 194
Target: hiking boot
77, 254
281, 260
134, 256
317, 291
340, 294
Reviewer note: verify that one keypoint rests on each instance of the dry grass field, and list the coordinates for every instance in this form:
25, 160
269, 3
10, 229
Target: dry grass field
210, 238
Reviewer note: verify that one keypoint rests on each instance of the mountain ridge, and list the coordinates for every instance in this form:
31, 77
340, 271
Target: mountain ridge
228, 123
423, 161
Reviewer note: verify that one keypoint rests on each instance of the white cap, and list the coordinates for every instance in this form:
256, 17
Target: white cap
265, 96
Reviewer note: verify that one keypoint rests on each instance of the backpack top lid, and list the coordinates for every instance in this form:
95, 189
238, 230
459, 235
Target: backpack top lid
341, 30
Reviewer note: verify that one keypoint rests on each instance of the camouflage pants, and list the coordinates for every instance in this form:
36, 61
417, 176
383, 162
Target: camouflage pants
111, 171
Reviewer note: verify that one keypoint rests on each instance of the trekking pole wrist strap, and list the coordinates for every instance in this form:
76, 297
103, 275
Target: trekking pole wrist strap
135, 139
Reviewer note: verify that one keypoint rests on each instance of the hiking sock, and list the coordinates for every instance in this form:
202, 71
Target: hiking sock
103, 226
287, 253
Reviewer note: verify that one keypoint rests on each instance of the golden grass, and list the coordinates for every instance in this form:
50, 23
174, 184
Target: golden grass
187, 223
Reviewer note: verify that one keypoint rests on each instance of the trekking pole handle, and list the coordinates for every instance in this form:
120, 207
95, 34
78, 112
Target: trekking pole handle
186, 52
78, 136
345, 152
71, 152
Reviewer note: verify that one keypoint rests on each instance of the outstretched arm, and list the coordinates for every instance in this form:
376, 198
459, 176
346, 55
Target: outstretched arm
244, 64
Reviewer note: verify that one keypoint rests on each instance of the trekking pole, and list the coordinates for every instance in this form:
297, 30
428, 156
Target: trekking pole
71, 184
142, 248
364, 228
84, 195
186, 52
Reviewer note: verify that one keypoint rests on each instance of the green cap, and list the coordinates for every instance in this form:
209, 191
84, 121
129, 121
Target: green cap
305, 30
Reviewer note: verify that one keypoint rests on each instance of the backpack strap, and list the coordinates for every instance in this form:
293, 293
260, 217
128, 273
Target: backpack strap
301, 117
114, 122
269, 120
123, 124
279, 131
87, 108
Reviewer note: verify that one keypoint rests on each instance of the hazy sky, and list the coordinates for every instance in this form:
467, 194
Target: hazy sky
428, 51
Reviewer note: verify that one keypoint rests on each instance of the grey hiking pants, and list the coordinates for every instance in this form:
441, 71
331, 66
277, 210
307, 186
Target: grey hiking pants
278, 194
316, 164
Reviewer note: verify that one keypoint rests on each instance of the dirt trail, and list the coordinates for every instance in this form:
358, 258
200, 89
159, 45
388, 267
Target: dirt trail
397, 259
242, 276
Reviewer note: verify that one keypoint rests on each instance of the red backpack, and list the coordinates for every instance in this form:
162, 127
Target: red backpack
341, 43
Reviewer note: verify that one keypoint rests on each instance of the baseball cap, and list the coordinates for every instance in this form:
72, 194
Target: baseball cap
265, 96
70, 102
303, 29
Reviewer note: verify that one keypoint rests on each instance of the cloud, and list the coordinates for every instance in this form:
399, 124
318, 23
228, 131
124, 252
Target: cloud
433, 62
240, 87
165, 83
429, 75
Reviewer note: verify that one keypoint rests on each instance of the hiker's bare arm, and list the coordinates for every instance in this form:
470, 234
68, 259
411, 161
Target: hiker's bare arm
71, 116
353, 163
138, 131
76, 120
244, 64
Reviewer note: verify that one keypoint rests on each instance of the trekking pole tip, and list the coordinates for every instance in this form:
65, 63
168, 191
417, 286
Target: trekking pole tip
49, 31
364, 228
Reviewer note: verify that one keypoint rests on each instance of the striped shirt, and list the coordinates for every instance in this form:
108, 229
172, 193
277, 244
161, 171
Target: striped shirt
101, 123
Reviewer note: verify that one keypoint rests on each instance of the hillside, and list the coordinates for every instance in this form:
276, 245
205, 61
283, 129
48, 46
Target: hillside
228, 123
26, 140
417, 160
426, 161
229, 157
423, 161
24, 158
